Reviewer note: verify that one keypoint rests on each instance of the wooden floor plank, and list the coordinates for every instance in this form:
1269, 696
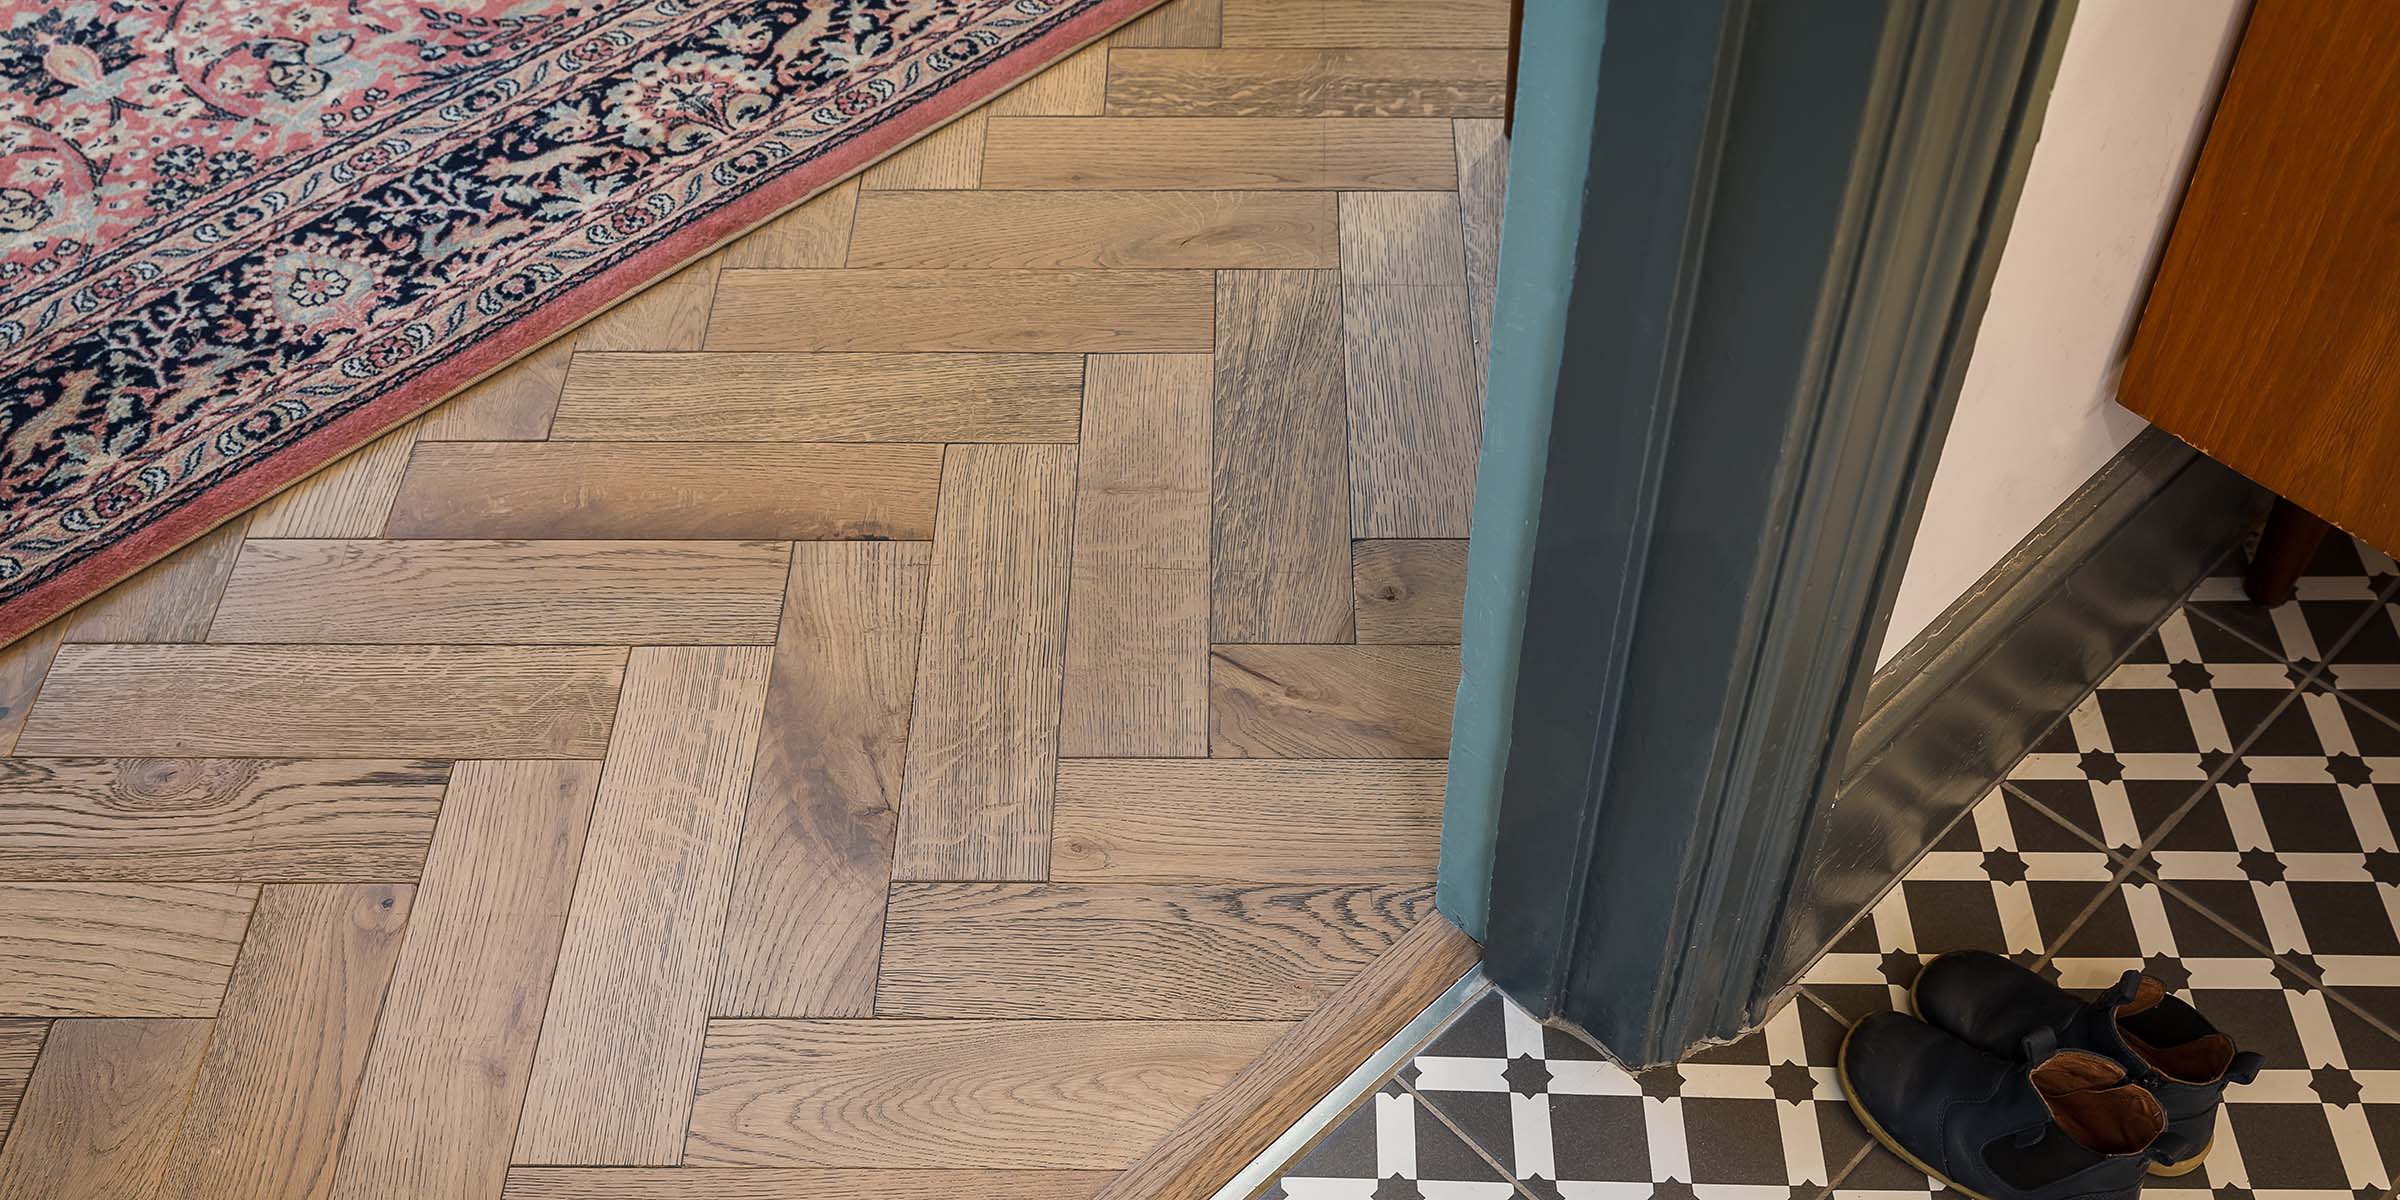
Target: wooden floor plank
949, 157
20, 1043
169, 600
1240, 1120
804, 932
1402, 237
670, 314
119, 949
1306, 83
612, 1081
351, 498
822, 397
437, 1110
1438, 24
1410, 591
1209, 821
1482, 198
983, 748
1416, 417
689, 1183
102, 1110
164, 820
1174, 23
1074, 86
24, 664
1096, 229
283, 1063
1054, 153
1331, 701
512, 405
1137, 617
327, 702
504, 593
1087, 1095
1013, 310
1135, 952
815, 234
1281, 520
782, 492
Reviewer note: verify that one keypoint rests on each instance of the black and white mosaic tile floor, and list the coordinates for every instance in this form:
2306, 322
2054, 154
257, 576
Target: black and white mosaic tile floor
2221, 813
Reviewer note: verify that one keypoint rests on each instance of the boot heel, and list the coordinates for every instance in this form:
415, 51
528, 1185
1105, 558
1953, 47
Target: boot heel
2186, 1167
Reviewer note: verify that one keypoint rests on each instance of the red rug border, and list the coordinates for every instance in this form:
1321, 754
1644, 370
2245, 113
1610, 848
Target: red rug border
288, 465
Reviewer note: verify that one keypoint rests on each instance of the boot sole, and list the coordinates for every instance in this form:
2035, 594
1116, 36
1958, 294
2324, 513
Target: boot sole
1875, 1128
2187, 1166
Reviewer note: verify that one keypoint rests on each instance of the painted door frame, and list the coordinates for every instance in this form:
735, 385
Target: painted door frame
1713, 419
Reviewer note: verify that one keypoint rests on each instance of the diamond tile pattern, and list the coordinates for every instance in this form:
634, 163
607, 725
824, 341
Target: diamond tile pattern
2223, 813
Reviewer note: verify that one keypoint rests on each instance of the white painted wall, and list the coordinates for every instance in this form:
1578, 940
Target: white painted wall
2038, 414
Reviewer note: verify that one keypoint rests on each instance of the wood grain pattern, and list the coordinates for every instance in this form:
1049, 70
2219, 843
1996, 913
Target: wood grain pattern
283, 1063
1078, 153
983, 748
931, 1094
20, 1043
1482, 199
2268, 340
1416, 415
1140, 952
1137, 623
351, 498
1402, 237
1207, 821
169, 600
164, 820
822, 397
437, 1108
1240, 1120
1174, 23
949, 157
1018, 310
103, 1109
1096, 229
24, 664
1279, 437
815, 234
504, 593
1425, 23
612, 1081
513, 404
690, 1183
1306, 83
1410, 591
804, 932
327, 701
1331, 701
118, 949
1074, 86
782, 492
670, 314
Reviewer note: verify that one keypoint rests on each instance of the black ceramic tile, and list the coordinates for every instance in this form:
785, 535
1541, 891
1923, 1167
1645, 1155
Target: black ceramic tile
1391, 1148
2367, 668
2333, 595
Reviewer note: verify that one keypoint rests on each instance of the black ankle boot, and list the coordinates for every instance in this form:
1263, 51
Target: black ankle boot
2165, 1044
2059, 1124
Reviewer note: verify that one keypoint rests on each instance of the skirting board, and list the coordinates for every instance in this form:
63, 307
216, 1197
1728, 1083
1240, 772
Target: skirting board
1947, 718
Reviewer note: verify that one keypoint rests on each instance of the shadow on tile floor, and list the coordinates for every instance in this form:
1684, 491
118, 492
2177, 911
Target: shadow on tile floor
2220, 813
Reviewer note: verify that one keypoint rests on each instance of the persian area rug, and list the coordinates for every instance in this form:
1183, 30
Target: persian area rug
240, 238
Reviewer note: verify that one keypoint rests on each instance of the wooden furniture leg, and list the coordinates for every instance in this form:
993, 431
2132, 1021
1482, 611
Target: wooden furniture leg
2290, 539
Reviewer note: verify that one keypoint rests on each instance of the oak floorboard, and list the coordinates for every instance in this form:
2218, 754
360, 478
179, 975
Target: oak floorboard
1074, 86
20, 1043
633, 490
1402, 237
1216, 821
1410, 591
1331, 701
804, 932
768, 1183
612, 1079
815, 234
1174, 229
1063, 311
165, 820
437, 1109
327, 702
1135, 952
1174, 23
770, 397
1076, 153
282, 1067
949, 157
1279, 441
513, 404
983, 743
1137, 616
351, 498
1416, 418
1433, 24
1071, 1095
671, 314
1482, 198
119, 949
24, 664
1307, 83
470, 592
102, 1109
169, 600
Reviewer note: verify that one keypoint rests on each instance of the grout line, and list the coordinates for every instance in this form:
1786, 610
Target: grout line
2091, 908
1460, 1132
2360, 705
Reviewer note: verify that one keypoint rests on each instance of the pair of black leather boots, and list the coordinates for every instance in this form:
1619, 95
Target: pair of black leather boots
2010, 1089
